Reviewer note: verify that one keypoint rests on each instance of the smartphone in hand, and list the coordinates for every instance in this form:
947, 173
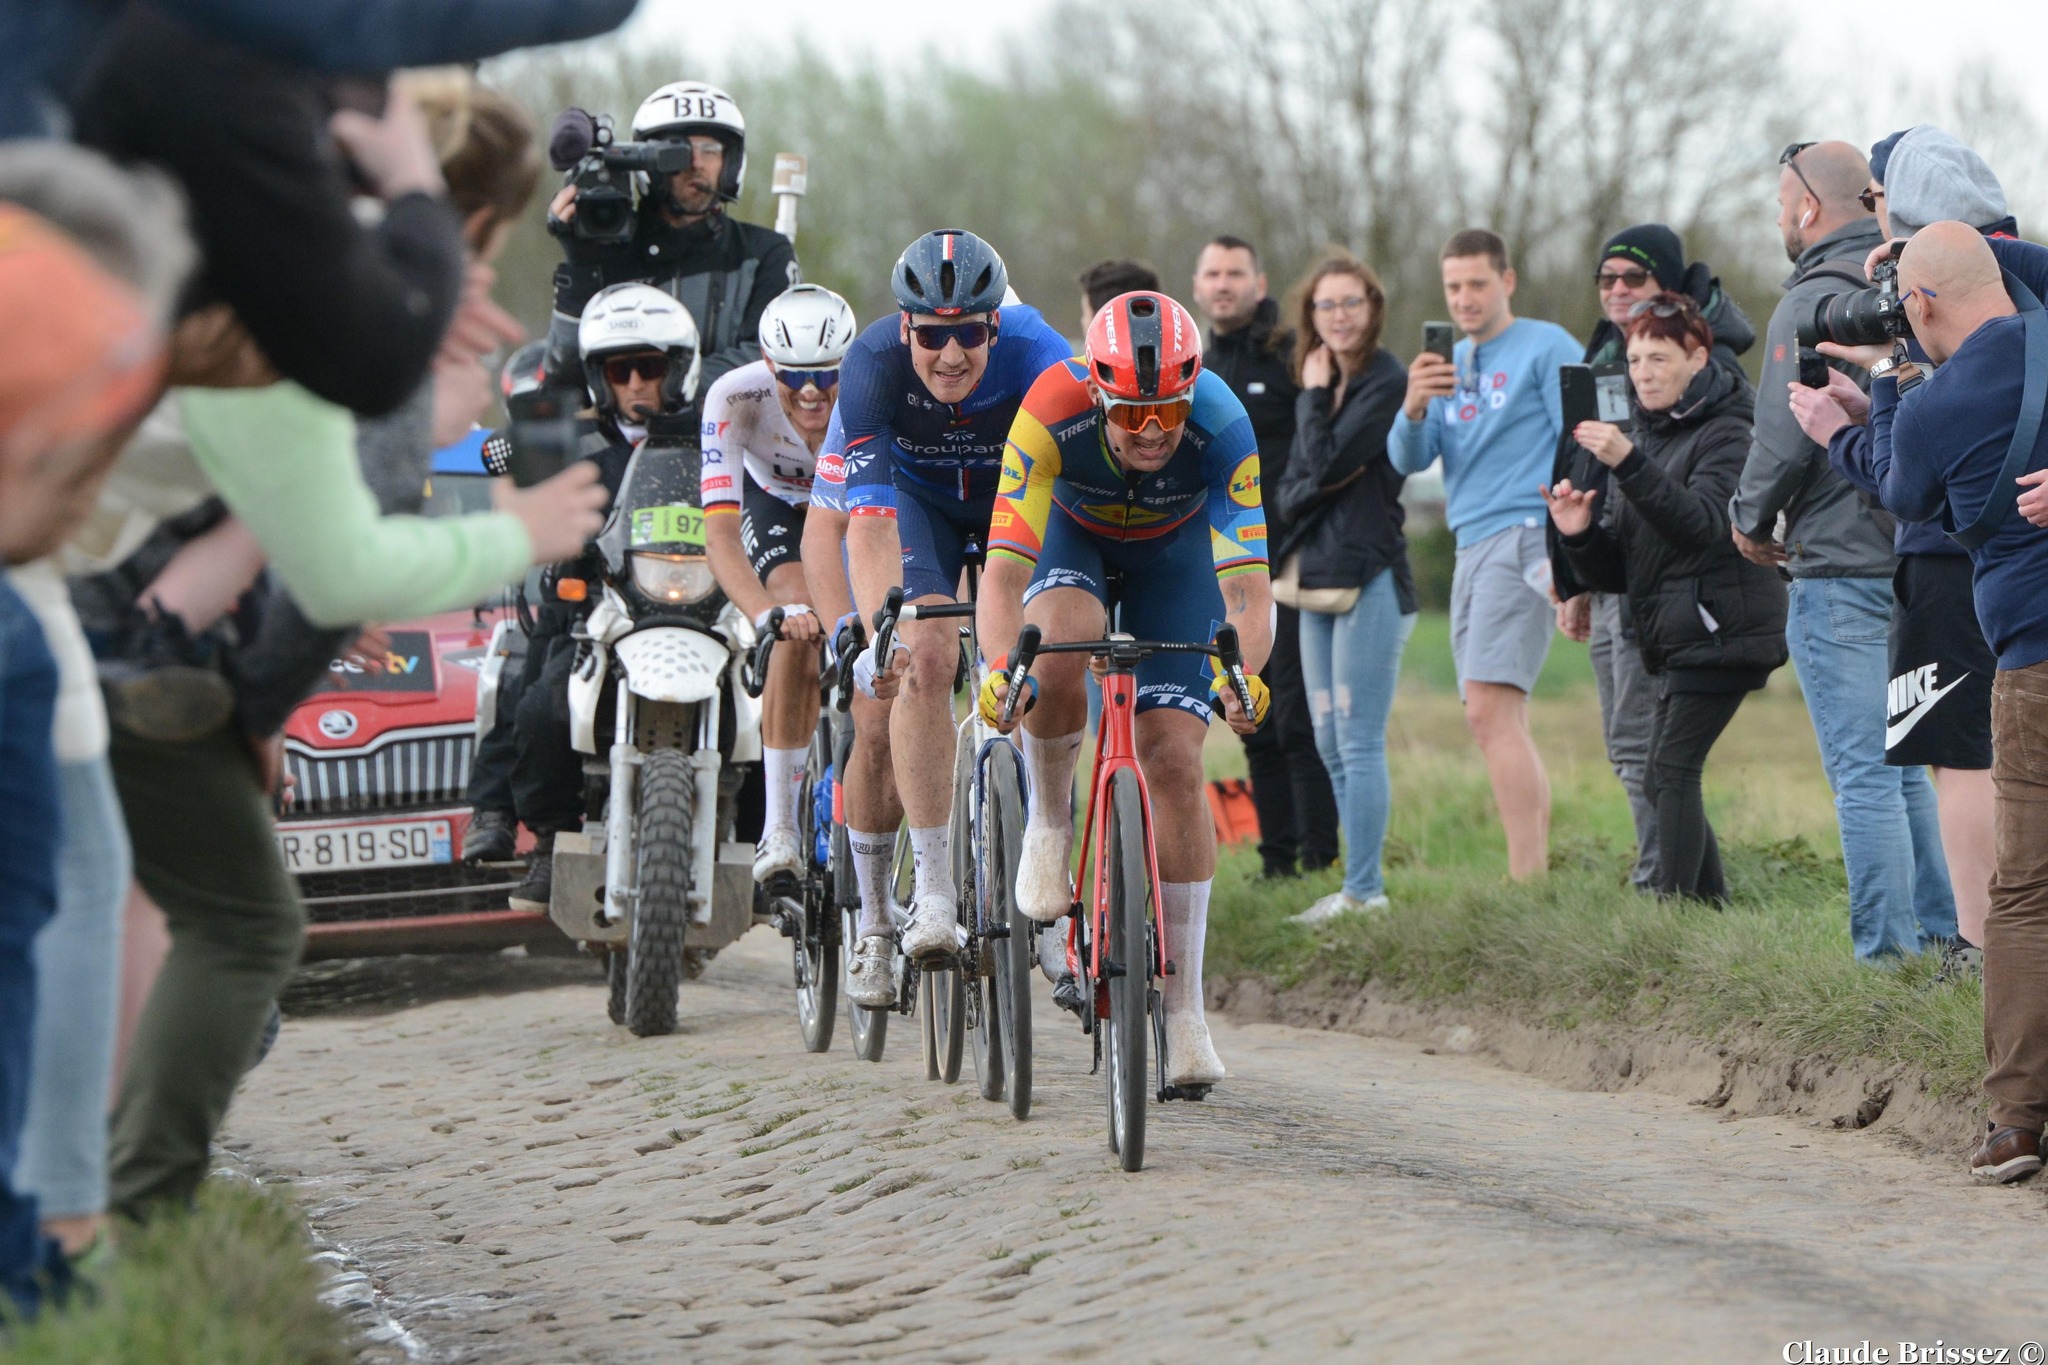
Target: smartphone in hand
1813, 368
1438, 338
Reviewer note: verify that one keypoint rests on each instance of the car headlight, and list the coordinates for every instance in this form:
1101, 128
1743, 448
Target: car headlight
673, 578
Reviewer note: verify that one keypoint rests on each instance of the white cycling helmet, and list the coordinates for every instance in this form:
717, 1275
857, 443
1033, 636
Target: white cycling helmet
807, 326
639, 317
684, 107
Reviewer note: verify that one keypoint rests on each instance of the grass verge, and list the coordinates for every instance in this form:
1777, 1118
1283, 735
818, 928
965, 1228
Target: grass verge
227, 1284
1581, 947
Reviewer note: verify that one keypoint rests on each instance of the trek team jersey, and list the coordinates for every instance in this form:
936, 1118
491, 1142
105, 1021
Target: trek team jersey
747, 432
1059, 458
888, 427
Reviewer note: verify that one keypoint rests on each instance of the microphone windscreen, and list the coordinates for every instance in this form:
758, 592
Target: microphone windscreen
570, 137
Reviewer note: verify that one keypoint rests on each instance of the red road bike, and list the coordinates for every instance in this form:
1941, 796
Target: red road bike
1116, 945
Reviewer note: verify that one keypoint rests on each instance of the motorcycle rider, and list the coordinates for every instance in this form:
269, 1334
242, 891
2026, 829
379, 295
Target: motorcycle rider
640, 360
906, 478
1133, 459
763, 425
683, 242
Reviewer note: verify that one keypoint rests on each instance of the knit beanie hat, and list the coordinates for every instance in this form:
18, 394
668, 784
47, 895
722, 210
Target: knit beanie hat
84, 356
1881, 154
1654, 247
1930, 178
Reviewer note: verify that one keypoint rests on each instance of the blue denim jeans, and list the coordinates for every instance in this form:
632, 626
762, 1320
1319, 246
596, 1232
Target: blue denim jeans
1899, 895
30, 827
1349, 665
78, 998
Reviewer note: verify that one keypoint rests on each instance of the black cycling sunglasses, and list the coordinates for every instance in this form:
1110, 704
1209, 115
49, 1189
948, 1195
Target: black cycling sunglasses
1790, 157
933, 336
620, 369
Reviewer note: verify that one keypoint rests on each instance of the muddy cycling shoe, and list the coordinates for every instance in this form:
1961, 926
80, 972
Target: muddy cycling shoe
2007, 1154
1043, 891
533, 894
1337, 904
161, 682
493, 837
871, 972
779, 854
1190, 1057
1066, 993
1052, 954
934, 928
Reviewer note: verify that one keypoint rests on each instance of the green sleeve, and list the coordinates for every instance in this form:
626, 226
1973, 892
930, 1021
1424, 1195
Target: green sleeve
285, 463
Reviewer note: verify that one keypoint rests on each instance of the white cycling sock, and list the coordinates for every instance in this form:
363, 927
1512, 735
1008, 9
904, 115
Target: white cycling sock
782, 773
932, 848
873, 856
1185, 912
1050, 762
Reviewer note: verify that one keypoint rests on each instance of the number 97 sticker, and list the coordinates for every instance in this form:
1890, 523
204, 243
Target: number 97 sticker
675, 524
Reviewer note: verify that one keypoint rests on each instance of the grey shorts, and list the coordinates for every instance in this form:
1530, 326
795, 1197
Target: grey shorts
1501, 616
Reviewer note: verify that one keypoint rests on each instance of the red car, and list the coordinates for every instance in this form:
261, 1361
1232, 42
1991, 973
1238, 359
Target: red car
373, 822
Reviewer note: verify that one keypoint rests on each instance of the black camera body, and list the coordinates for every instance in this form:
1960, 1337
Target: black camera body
602, 170
1863, 317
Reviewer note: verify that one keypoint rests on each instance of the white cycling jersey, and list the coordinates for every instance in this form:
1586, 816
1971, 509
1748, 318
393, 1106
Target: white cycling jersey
745, 428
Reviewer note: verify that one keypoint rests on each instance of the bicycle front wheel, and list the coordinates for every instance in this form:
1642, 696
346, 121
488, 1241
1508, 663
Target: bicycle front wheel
1010, 988
816, 941
1130, 1018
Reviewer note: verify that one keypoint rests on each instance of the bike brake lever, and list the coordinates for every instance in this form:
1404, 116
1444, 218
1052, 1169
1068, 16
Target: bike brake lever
1020, 672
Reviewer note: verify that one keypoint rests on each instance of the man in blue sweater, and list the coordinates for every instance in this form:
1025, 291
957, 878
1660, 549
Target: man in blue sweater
1492, 414
1938, 453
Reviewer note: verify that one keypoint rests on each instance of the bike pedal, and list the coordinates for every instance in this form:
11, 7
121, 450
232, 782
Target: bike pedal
1183, 1092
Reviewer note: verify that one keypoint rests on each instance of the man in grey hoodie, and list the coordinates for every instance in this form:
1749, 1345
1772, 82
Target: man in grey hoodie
1837, 549
1938, 704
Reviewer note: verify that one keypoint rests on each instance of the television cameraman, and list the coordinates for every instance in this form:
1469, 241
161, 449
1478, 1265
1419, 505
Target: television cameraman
676, 236
1958, 445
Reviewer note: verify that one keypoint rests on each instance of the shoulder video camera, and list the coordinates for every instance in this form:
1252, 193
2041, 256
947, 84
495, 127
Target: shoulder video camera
1862, 317
602, 170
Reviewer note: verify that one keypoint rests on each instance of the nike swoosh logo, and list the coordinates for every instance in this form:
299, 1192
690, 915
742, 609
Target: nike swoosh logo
1894, 733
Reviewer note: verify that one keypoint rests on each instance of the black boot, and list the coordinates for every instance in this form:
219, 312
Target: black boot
534, 893
493, 838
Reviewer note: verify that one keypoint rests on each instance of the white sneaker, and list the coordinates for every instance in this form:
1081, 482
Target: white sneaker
1337, 903
1043, 891
780, 854
1190, 1057
871, 973
934, 925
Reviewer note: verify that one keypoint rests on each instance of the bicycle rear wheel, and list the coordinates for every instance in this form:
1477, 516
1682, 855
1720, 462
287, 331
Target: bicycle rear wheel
1129, 1025
870, 1027
1010, 989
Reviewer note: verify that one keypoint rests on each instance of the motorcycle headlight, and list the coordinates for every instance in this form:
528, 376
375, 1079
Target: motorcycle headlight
680, 579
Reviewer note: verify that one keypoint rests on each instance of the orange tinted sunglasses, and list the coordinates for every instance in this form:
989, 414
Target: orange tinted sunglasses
1134, 417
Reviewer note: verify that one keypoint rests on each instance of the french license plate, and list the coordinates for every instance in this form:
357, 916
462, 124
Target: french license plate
341, 848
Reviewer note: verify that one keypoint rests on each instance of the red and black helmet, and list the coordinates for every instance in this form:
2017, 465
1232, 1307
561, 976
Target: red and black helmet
1144, 352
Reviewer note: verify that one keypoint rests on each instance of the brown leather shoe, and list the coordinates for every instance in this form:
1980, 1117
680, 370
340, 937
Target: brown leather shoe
2007, 1154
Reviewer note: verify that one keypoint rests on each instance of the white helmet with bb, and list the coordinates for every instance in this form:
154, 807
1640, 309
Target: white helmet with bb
808, 327
639, 317
684, 107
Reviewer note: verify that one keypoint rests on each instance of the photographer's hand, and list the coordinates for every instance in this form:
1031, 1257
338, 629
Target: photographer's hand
1855, 402
1817, 412
2034, 502
1570, 508
1429, 376
1605, 440
392, 152
562, 208
1863, 357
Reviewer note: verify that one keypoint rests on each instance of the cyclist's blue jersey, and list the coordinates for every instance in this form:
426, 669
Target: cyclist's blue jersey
887, 426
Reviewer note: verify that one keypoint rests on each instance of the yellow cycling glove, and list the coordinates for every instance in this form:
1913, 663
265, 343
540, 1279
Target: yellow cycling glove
991, 700
1262, 696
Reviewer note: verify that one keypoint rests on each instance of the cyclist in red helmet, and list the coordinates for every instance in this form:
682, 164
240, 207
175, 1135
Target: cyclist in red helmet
1132, 461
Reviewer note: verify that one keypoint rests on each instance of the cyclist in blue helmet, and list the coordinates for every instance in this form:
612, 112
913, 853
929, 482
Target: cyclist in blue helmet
906, 478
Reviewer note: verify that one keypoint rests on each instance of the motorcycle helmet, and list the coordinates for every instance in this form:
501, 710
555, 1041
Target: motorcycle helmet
948, 272
639, 317
684, 107
807, 327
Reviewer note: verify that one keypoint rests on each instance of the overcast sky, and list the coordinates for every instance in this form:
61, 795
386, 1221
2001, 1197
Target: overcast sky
1878, 46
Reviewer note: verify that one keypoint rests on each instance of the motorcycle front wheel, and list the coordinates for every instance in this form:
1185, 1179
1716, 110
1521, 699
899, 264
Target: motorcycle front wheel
654, 951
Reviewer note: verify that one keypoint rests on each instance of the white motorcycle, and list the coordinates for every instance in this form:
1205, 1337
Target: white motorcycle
656, 882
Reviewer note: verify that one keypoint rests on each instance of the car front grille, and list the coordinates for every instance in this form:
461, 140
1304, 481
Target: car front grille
429, 770
399, 893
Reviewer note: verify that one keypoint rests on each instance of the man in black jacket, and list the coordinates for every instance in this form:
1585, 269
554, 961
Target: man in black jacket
1249, 348
683, 242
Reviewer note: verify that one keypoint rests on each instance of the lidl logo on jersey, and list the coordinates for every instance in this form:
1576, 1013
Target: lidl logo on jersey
1244, 482
1013, 475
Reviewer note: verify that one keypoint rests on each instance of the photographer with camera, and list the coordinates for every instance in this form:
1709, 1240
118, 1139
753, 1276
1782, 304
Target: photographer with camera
1837, 550
688, 162
1957, 446
1938, 705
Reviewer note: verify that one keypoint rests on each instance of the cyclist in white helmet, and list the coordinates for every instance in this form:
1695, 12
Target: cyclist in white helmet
763, 425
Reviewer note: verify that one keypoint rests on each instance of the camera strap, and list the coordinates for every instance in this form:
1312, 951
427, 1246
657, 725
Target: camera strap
2005, 493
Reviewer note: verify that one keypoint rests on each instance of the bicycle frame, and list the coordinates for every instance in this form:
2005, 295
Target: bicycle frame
1116, 750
